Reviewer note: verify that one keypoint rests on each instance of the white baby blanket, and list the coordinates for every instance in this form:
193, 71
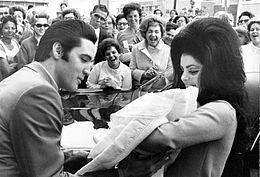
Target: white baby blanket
133, 123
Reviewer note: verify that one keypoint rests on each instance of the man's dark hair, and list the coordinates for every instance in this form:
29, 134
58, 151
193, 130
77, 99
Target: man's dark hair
68, 34
246, 13
170, 26
63, 3
118, 17
159, 11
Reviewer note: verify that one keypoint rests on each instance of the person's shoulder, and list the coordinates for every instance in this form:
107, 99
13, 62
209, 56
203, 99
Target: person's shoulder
124, 66
104, 34
220, 107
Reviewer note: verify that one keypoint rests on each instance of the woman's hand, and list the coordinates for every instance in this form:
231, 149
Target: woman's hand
107, 82
150, 73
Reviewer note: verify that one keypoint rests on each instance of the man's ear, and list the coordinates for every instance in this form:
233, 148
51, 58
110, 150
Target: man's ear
57, 50
91, 13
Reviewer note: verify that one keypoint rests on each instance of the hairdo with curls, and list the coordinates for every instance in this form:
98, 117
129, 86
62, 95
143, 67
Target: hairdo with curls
131, 7
151, 20
5, 19
17, 8
71, 10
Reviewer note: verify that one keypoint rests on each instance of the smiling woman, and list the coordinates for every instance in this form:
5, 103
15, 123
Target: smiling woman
151, 57
110, 73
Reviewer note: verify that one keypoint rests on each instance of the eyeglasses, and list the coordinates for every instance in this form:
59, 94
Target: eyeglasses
42, 25
245, 21
97, 16
4, 13
122, 24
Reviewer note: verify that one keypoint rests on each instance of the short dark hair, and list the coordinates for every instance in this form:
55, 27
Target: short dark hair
63, 3
246, 13
102, 7
170, 25
68, 33
251, 23
130, 7
107, 43
159, 11
70, 10
179, 16
214, 43
119, 16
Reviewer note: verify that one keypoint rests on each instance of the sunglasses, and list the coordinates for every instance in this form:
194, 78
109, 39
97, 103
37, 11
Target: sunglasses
42, 25
241, 21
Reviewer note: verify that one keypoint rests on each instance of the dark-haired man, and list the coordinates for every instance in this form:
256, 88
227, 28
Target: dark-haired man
31, 114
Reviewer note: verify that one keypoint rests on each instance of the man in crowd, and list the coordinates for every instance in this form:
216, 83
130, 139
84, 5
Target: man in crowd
98, 17
31, 113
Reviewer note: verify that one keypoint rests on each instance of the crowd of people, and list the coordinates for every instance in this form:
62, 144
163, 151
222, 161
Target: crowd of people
39, 56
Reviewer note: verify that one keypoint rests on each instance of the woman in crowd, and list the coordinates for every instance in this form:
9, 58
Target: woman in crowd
151, 56
19, 13
173, 14
8, 46
202, 54
251, 51
130, 35
110, 73
181, 21
70, 14
170, 33
39, 24
121, 22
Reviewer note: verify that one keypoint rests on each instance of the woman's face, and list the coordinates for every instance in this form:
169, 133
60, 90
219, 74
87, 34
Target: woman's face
122, 24
9, 30
191, 70
181, 21
18, 15
255, 33
112, 57
133, 19
40, 26
153, 35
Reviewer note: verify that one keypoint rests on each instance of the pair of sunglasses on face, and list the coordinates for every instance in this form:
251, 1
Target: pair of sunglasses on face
38, 25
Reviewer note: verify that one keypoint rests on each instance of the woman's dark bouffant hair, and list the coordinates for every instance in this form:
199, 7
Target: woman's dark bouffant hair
130, 7
215, 45
106, 44
5, 19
